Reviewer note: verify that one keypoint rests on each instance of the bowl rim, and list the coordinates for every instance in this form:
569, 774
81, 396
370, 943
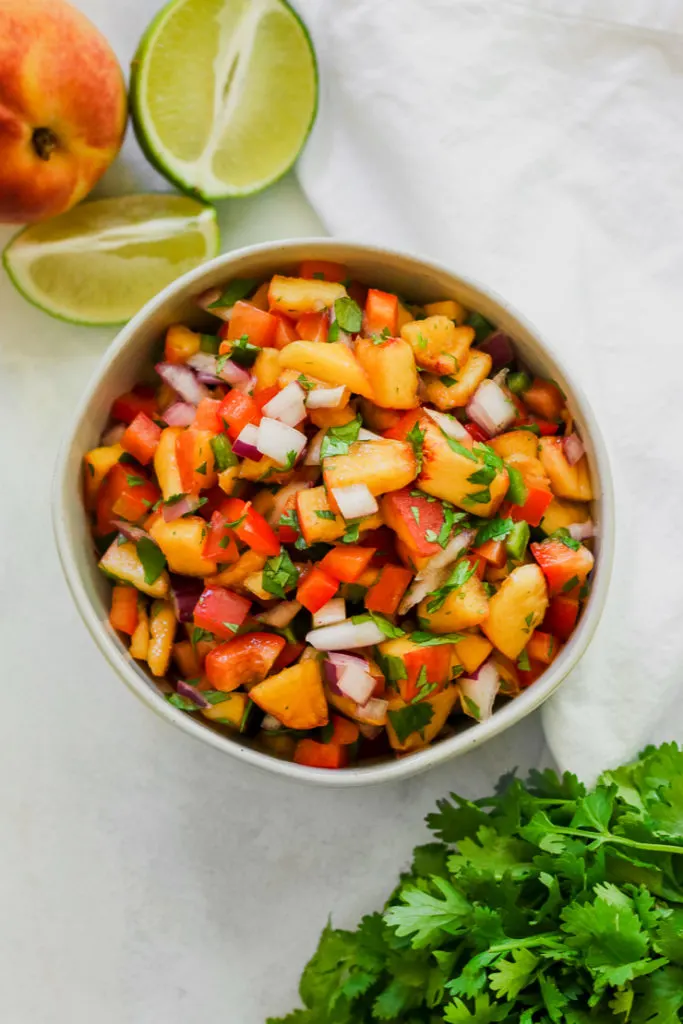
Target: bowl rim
384, 771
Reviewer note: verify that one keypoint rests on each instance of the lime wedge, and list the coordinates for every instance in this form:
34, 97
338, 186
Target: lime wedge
100, 262
224, 93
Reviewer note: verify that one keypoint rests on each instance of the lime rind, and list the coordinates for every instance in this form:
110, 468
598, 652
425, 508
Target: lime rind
23, 250
191, 177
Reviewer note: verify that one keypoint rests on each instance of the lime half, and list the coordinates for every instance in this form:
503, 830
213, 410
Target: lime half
224, 93
100, 262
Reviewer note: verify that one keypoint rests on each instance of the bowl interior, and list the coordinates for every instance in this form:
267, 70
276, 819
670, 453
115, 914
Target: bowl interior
131, 354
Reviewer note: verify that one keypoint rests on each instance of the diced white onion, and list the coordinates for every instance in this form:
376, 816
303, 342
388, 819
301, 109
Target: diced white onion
436, 571
115, 433
344, 636
573, 449
271, 724
313, 457
355, 501
277, 440
453, 549
582, 531
367, 435
282, 497
356, 684
207, 299
449, 425
325, 398
490, 408
287, 406
245, 445
333, 611
481, 692
281, 615
375, 711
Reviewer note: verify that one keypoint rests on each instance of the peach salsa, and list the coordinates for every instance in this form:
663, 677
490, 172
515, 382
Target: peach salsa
342, 521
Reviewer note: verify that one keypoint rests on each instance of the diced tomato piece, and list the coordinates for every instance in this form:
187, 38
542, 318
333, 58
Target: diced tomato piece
400, 430
383, 541
320, 755
561, 616
324, 270
542, 647
243, 661
263, 396
347, 562
545, 427
126, 493
344, 732
313, 327
287, 656
220, 611
476, 433
544, 399
124, 609
220, 544
258, 325
253, 530
381, 312
530, 675
208, 416
385, 594
236, 410
141, 399
141, 438
563, 567
537, 500
428, 667
413, 516
316, 589
493, 551
285, 332
477, 563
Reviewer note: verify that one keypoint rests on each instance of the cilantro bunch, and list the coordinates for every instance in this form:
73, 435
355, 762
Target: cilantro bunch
543, 904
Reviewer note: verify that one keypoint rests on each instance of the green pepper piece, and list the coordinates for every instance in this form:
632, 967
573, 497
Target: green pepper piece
517, 540
518, 383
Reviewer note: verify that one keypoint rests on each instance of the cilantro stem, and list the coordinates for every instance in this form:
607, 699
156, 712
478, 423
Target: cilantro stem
544, 939
608, 837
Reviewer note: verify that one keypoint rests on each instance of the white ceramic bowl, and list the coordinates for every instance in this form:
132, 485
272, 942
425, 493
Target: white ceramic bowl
421, 281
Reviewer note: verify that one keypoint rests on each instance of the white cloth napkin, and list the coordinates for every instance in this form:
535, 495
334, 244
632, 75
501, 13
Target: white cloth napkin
538, 147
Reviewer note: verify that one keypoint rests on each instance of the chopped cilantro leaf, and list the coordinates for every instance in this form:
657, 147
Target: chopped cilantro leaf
472, 707
448, 381
152, 558
291, 519
421, 340
425, 639
570, 584
384, 335
347, 313
493, 529
390, 631
201, 469
243, 352
338, 439
459, 448
239, 288
523, 661
352, 533
325, 513
566, 538
462, 572
199, 634
415, 512
305, 383
416, 438
279, 574
135, 481
413, 718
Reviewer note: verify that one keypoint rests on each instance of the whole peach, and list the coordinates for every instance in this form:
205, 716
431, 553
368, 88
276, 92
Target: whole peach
62, 108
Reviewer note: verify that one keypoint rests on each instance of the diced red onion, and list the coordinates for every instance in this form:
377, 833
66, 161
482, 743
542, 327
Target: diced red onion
247, 385
277, 440
190, 692
582, 531
245, 445
356, 684
208, 298
190, 503
203, 362
180, 414
355, 501
114, 434
181, 378
450, 426
499, 347
325, 398
235, 375
481, 691
573, 449
369, 732
333, 611
129, 531
490, 408
281, 614
374, 711
185, 592
367, 435
336, 663
313, 451
344, 636
287, 406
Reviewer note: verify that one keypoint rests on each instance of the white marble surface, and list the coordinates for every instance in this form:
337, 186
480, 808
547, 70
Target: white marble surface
143, 877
